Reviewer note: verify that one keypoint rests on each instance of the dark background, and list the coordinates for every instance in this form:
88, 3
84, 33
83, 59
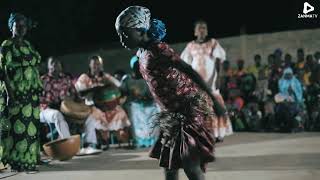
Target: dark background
69, 26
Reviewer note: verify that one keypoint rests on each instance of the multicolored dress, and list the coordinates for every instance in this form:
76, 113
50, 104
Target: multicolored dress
20, 140
186, 108
202, 57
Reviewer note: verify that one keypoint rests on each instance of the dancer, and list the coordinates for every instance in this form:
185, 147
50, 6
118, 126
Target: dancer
19, 63
205, 56
186, 102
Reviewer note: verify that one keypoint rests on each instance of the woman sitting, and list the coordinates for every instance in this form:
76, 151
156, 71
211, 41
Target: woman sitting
290, 102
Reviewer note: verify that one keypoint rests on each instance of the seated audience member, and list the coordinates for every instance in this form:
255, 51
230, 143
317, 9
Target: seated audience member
101, 91
290, 102
58, 87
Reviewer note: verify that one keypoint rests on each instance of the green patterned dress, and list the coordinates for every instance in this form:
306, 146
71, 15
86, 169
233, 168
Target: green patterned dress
20, 120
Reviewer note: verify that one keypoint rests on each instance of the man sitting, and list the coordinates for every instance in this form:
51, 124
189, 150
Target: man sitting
58, 86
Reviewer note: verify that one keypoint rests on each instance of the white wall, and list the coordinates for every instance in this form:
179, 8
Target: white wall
244, 47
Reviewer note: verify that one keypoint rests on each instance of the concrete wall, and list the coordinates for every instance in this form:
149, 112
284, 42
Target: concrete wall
245, 47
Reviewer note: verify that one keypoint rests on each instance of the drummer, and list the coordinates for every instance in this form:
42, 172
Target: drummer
58, 86
113, 118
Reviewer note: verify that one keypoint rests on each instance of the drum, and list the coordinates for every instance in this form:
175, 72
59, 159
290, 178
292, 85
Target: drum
107, 97
75, 110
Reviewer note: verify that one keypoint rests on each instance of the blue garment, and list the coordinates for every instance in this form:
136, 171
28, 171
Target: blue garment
140, 115
295, 84
141, 108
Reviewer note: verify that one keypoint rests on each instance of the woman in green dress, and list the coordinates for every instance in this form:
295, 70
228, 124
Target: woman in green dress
20, 112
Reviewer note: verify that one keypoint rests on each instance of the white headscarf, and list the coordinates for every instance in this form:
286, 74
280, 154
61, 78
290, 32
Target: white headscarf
134, 17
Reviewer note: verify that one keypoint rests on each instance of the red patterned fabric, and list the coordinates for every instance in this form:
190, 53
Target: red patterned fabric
174, 91
56, 89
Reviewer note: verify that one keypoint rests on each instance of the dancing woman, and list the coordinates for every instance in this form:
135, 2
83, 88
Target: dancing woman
186, 102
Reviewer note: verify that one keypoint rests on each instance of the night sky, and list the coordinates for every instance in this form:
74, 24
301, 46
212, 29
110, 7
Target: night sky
67, 26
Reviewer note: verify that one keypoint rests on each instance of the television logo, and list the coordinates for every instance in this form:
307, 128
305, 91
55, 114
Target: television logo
307, 8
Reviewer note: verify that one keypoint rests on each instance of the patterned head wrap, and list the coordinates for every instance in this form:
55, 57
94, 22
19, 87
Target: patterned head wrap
134, 17
15, 17
139, 17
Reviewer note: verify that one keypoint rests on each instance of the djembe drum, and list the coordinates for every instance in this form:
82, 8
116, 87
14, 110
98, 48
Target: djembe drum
75, 111
107, 98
